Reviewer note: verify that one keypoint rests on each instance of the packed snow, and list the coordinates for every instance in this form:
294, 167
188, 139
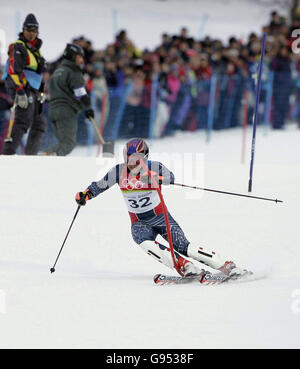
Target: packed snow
102, 294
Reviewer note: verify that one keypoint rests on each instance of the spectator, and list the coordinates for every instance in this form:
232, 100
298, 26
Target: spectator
173, 85
100, 90
203, 74
5, 104
275, 23
184, 67
281, 65
132, 116
165, 42
68, 97
23, 78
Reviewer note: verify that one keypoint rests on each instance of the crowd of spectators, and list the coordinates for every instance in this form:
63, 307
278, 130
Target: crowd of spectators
182, 67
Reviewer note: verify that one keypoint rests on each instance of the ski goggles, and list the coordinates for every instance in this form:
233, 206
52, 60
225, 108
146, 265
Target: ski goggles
31, 29
134, 159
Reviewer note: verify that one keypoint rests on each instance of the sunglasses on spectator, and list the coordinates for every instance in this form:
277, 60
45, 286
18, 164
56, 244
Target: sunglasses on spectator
31, 29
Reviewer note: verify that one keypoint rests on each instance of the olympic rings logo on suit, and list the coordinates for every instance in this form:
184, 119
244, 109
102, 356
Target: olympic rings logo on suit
129, 185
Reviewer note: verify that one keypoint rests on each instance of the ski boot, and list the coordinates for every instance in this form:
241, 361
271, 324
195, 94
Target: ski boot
233, 272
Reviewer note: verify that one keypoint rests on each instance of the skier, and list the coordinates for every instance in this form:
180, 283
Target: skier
146, 211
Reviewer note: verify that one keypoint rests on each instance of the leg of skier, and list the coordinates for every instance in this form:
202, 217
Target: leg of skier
209, 258
144, 235
212, 259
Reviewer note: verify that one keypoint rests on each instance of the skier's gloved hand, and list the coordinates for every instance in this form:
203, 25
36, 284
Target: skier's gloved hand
82, 197
90, 113
22, 99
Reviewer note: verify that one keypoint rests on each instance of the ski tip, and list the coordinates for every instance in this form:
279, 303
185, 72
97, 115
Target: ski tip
156, 277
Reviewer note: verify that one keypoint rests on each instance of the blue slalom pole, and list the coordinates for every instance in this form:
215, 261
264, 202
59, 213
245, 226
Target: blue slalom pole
256, 110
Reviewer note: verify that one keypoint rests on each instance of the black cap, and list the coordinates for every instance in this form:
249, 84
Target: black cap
72, 50
30, 21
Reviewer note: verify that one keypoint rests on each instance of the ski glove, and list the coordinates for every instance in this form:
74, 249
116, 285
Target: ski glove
22, 99
41, 97
90, 113
82, 197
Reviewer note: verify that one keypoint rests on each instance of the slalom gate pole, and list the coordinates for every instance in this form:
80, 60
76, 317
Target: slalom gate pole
165, 211
52, 270
256, 110
226, 193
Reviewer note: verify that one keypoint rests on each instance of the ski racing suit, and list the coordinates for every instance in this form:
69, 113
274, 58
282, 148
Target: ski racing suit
147, 216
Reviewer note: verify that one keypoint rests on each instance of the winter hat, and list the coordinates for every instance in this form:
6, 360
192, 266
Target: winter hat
30, 21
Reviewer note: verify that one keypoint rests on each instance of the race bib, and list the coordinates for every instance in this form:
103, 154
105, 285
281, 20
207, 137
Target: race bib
141, 201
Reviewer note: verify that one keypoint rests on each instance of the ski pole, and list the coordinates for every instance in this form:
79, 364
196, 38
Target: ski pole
107, 146
11, 123
227, 193
52, 270
100, 138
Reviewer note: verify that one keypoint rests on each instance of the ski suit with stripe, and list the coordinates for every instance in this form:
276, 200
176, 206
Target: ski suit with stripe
143, 203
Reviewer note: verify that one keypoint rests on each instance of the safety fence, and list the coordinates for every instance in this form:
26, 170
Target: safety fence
158, 107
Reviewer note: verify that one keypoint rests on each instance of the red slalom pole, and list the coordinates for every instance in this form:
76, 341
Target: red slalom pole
165, 211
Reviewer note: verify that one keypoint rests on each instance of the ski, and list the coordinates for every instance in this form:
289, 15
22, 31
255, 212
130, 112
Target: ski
205, 278
214, 278
162, 279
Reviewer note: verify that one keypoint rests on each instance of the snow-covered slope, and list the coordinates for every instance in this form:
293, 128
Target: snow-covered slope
102, 294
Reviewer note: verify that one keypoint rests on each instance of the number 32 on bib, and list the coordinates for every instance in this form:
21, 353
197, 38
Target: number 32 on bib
140, 201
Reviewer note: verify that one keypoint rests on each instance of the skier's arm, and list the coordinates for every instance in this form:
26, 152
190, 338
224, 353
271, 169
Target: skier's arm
161, 174
167, 176
96, 188
77, 85
17, 63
